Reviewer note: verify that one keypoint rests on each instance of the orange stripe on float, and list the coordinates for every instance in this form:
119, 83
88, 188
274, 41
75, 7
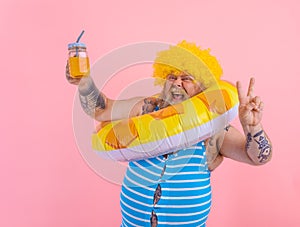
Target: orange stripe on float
122, 134
217, 101
168, 112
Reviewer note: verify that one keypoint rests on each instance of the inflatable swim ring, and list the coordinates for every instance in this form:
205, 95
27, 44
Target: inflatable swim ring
170, 129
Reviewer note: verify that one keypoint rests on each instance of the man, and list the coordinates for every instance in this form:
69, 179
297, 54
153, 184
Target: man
174, 189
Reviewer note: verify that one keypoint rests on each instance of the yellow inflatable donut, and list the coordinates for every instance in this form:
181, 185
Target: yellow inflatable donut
167, 130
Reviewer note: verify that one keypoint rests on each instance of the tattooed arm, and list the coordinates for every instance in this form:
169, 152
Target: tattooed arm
92, 101
101, 108
254, 147
258, 145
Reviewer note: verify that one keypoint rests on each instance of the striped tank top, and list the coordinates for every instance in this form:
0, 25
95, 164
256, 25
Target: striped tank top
171, 190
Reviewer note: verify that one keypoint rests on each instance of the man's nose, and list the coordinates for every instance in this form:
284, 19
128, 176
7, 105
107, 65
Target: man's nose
178, 82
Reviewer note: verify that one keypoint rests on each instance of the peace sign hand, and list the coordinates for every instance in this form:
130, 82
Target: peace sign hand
250, 109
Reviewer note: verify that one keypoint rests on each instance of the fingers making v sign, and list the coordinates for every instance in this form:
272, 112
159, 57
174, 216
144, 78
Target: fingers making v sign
251, 106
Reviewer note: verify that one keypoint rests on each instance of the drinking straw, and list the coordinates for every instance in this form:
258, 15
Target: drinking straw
79, 37
77, 41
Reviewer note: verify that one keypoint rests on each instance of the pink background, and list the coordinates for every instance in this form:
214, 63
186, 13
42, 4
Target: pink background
45, 181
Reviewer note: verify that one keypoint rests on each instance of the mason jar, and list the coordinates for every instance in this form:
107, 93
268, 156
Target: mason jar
78, 60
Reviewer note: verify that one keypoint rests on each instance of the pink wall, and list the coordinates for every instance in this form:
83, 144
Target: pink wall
44, 179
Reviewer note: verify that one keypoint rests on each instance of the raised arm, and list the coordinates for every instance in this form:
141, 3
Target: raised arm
254, 147
98, 106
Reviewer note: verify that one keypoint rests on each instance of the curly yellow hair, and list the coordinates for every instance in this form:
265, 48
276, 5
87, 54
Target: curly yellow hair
189, 58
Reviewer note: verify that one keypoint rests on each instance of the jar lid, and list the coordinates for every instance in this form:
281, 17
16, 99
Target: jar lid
72, 45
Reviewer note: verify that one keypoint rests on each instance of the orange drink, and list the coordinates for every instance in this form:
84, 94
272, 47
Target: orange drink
78, 60
79, 66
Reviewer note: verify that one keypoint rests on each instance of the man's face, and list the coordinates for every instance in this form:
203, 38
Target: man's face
180, 87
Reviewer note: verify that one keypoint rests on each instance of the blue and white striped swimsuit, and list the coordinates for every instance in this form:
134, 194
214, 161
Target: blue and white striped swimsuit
175, 190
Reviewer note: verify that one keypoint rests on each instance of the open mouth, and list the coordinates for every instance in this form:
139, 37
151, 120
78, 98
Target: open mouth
177, 96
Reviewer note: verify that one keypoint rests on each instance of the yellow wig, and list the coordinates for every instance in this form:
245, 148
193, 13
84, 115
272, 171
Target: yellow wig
187, 57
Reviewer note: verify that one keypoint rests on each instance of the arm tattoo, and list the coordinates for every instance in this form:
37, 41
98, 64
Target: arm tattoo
227, 128
91, 98
148, 105
248, 140
151, 104
263, 146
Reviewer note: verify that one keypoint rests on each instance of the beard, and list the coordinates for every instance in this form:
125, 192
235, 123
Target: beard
174, 95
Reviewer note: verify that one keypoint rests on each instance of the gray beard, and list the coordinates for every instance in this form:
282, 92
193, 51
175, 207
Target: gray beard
169, 99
